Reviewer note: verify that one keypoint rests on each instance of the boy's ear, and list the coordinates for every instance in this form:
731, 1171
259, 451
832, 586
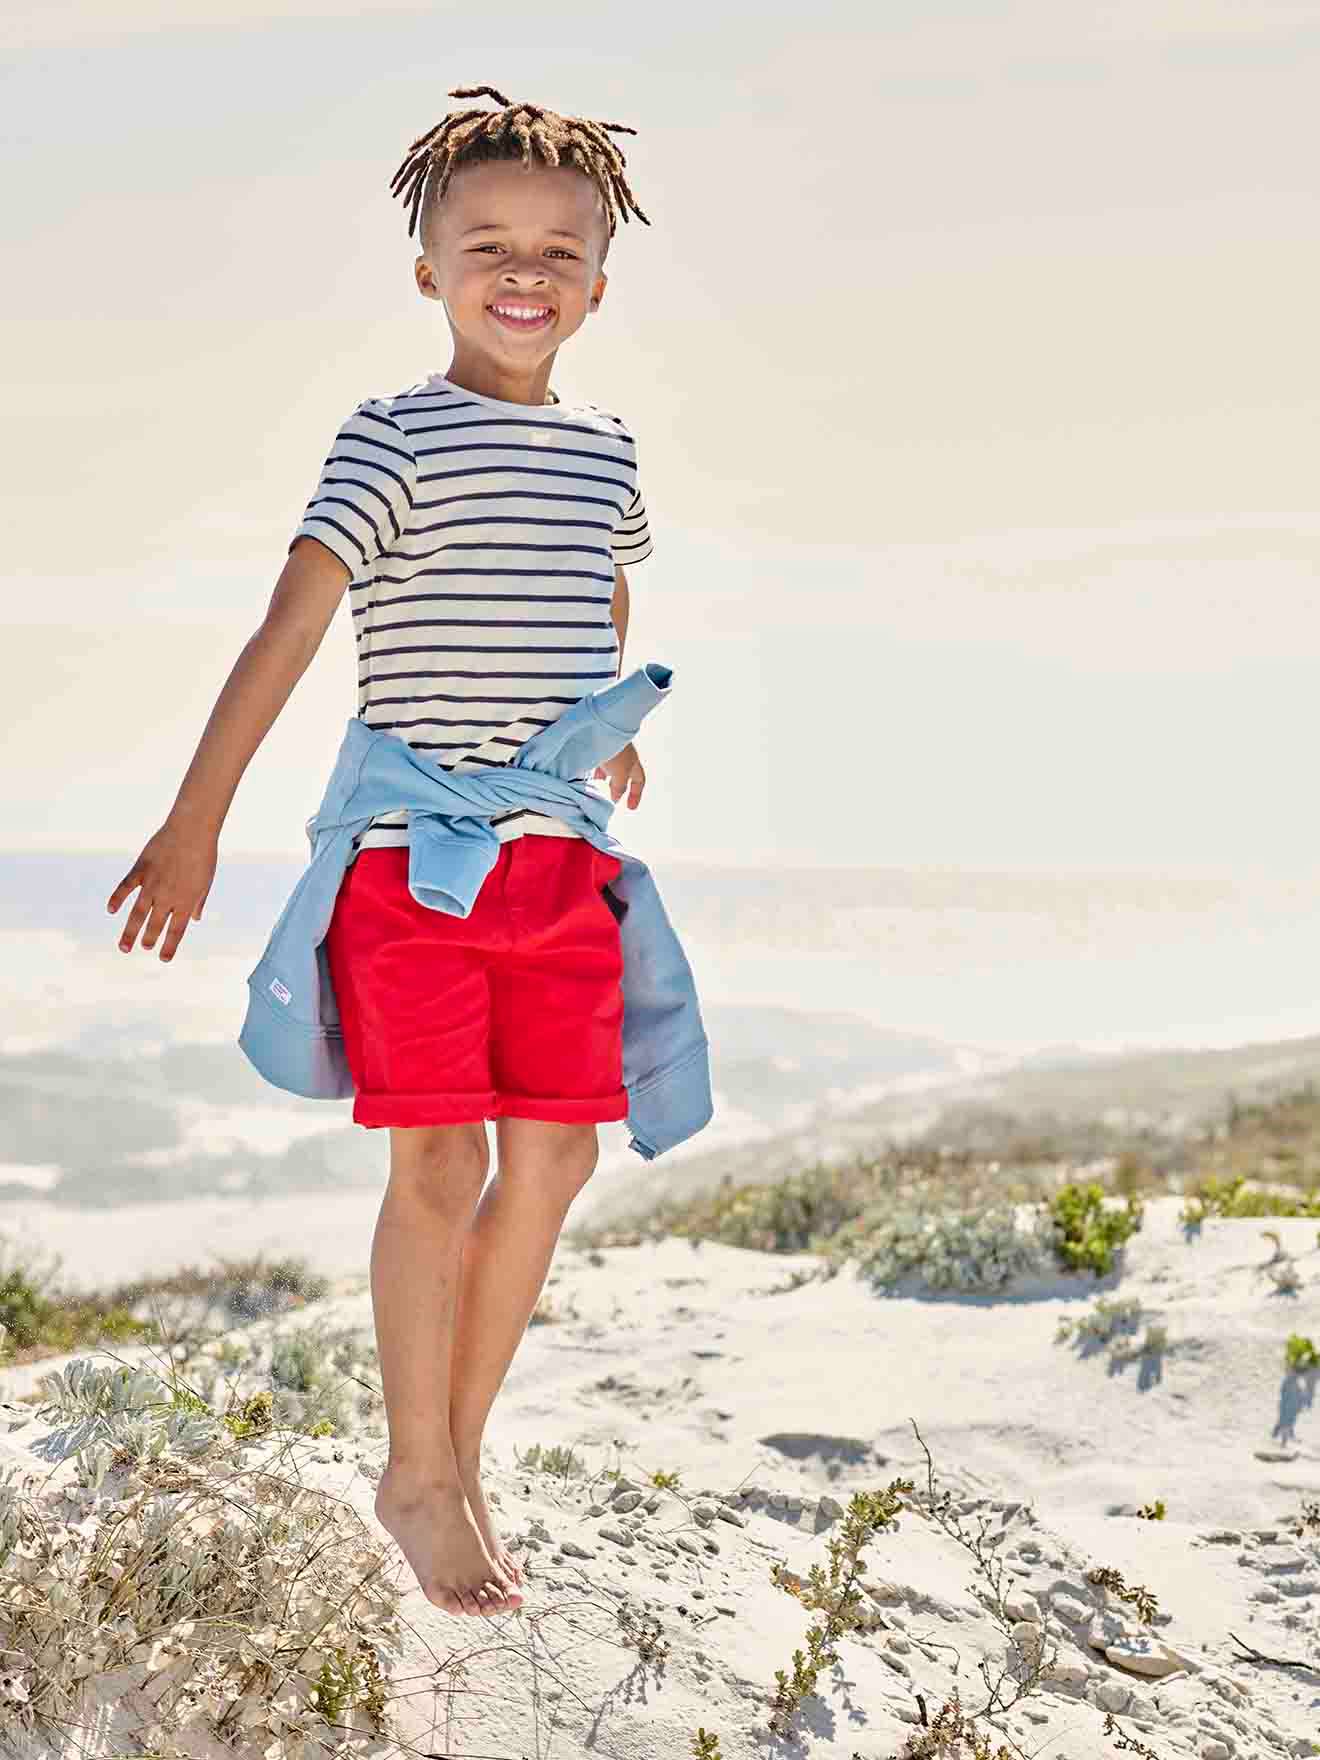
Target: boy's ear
424, 276
598, 290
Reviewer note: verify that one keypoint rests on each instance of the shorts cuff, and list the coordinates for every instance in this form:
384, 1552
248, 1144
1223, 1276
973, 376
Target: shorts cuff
605, 1109
409, 1110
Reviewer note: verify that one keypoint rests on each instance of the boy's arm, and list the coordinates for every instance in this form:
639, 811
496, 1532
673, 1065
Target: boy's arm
177, 865
619, 610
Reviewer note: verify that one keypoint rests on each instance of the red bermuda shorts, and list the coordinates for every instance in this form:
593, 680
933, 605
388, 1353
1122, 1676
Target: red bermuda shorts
515, 1010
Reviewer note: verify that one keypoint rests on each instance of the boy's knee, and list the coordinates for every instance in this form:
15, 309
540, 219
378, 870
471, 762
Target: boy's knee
554, 1157
442, 1161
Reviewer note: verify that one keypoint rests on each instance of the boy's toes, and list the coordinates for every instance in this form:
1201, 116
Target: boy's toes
506, 1587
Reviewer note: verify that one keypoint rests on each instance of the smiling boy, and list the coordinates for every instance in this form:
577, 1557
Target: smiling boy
481, 527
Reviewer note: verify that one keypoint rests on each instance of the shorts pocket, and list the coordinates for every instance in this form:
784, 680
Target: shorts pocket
604, 869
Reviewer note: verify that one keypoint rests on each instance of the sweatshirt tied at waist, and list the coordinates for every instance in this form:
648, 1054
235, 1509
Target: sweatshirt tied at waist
292, 1034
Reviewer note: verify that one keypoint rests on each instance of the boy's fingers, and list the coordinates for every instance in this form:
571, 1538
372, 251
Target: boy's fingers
178, 923
136, 917
122, 891
159, 917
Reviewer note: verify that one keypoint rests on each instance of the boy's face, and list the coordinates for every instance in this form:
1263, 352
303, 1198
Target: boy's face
527, 236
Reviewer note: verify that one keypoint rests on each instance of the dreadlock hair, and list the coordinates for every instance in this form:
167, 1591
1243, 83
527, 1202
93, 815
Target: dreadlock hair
517, 131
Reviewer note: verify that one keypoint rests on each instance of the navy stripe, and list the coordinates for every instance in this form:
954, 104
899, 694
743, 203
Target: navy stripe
457, 672
482, 623
476, 648
507, 422
472, 721
444, 697
524, 470
477, 598
448, 745
564, 574
512, 446
512, 519
544, 549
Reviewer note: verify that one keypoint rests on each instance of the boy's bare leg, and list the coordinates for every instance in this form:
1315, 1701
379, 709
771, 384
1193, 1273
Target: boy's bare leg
541, 1167
436, 1176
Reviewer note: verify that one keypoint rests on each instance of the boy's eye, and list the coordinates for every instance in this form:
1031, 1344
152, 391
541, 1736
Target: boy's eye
553, 247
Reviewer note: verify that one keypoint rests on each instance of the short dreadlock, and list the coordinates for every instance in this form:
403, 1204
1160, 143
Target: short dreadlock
477, 137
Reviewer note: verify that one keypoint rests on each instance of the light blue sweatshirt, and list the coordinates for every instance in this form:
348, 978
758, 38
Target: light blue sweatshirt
292, 1032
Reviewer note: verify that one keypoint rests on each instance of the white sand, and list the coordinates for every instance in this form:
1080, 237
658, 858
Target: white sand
681, 1359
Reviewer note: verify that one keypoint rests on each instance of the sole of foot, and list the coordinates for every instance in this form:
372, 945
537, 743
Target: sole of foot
436, 1533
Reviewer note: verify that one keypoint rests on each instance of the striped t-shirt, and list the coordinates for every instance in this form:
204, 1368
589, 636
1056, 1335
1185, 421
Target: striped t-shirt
481, 538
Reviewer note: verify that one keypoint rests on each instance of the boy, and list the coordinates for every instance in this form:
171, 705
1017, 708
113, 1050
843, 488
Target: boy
474, 518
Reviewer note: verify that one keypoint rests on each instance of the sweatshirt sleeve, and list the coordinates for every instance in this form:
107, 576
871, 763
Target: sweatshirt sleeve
365, 496
631, 541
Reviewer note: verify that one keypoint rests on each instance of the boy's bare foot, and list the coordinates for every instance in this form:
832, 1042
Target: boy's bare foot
436, 1532
470, 1474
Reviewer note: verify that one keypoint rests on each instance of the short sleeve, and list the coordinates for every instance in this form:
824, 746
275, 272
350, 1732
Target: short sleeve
632, 538
365, 496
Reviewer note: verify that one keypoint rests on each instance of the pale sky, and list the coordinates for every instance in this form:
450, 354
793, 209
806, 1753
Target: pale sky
970, 355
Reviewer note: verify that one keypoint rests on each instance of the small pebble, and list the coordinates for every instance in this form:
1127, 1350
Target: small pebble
1114, 1695
1069, 1674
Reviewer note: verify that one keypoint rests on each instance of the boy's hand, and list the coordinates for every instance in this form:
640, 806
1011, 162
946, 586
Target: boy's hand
174, 871
624, 771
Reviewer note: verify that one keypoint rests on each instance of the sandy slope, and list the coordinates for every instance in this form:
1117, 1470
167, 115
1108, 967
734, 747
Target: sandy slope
766, 1400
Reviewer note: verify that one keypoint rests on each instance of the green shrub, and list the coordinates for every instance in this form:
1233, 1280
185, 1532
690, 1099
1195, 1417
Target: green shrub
946, 1249
782, 1216
836, 1595
1300, 1354
1107, 1318
1230, 1197
559, 1462
31, 1318
1086, 1231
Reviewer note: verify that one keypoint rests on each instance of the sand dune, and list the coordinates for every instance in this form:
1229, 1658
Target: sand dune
774, 1400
